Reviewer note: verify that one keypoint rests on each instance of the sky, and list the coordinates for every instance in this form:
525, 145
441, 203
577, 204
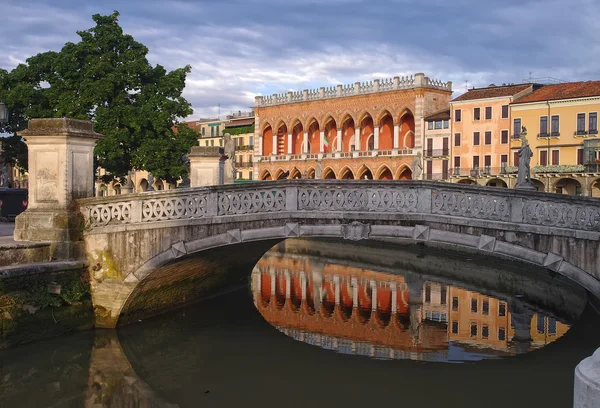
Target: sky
239, 49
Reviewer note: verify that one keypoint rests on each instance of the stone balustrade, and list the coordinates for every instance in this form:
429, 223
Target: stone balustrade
419, 80
416, 197
335, 155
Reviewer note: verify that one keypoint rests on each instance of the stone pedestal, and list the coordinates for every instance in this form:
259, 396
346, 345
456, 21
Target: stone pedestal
587, 382
61, 170
207, 167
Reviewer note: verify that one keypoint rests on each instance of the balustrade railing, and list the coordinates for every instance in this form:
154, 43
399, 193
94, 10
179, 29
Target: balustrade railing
321, 196
334, 155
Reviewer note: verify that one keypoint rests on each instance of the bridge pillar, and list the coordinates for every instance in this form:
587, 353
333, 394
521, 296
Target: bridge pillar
587, 382
207, 167
61, 168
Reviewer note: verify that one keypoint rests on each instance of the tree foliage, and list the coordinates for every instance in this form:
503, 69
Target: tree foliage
106, 77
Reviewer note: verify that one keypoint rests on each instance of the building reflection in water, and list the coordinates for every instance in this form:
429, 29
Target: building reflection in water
354, 310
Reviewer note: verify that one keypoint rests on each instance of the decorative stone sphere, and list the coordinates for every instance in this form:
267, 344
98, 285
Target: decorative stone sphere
587, 382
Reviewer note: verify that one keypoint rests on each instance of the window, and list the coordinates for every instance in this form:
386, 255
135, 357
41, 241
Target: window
485, 332
457, 115
212, 142
501, 333
555, 157
543, 126
504, 111
456, 162
488, 113
427, 293
251, 140
454, 327
475, 162
515, 158
473, 329
555, 126
593, 122
543, 158
203, 131
250, 176
438, 124
221, 142
541, 324
446, 124
429, 169
579, 156
487, 161
454, 303
457, 139
502, 309
429, 125
474, 305
517, 128
503, 160
476, 113
239, 175
488, 138
445, 148
218, 126
429, 151
485, 307
551, 326
443, 295
206, 142
581, 123
212, 131
445, 169
504, 136
475, 138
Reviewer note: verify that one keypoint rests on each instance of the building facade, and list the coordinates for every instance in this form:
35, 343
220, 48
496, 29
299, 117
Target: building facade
481, 126
561, 125
362, 131
436, 145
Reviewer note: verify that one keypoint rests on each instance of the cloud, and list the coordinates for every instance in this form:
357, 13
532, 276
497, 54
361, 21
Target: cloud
242, 48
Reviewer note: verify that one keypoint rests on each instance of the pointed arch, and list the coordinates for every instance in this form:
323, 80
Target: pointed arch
384, 173
345, 116
281, 174
267, 141
295, 173
282, 138
386, 130
407, 129
329, 174
330, 140
310, 173
404, 172
348, 132
266, 175
365, 173
384, 112
346, 173
297, 137
367, 129
314, 136
265, 125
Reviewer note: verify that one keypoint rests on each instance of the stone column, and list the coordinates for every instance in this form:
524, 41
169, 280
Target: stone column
338, 146
587, 382
394, 290
205, 166
354, 283
288, 284
274, 143
305, 142
322, 141
61, 170
373, 286
376, 138
357, 138
289, 143
396, 136
336, 281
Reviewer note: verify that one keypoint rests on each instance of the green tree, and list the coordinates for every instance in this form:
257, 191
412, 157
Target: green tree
106, 77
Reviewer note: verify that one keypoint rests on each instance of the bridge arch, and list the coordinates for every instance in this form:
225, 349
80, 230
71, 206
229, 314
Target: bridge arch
177, 241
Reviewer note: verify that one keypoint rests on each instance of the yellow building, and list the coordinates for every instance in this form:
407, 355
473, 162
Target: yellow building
561, 124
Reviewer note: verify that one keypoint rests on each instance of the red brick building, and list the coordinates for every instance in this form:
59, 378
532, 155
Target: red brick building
370, 130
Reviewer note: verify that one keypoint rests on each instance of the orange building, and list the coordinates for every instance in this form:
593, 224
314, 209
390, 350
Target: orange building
481, 132
362, 131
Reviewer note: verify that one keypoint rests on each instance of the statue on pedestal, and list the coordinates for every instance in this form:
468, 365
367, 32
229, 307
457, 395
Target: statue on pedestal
417, 167
524, 170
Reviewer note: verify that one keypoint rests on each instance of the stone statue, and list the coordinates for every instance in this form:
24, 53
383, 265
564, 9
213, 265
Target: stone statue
318, 170
229, 165
417, 167
150, 186
523, 175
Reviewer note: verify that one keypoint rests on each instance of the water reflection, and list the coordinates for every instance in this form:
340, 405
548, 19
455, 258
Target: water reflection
358, 310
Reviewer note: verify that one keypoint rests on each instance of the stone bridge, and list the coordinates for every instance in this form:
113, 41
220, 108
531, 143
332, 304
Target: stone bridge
151, 251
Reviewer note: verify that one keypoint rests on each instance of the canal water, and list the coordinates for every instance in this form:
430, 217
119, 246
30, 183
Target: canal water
330, 323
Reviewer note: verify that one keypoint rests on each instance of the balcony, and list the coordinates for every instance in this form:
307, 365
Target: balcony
240, 164
580, 133
586, 133
541, 135
436, 152
336, 155
244, 147
516, 136
486, 171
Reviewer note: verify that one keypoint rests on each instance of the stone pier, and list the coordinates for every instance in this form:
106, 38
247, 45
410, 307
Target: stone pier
587, 382
61, 157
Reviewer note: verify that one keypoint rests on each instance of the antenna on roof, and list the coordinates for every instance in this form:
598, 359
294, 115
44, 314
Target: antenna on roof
530, 77
219, 113
466, 85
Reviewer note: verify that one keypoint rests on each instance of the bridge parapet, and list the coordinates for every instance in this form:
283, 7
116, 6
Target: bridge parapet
401, 197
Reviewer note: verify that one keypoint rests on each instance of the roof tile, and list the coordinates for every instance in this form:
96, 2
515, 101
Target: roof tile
568, 90
491, 92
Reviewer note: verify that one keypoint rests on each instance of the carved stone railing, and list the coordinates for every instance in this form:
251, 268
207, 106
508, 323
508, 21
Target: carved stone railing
316, 197
358, 88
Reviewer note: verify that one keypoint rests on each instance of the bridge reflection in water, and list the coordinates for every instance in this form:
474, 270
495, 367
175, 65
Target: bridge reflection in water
357, 310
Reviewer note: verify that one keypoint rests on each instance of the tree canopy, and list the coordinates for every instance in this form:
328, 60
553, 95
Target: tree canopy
106, 78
